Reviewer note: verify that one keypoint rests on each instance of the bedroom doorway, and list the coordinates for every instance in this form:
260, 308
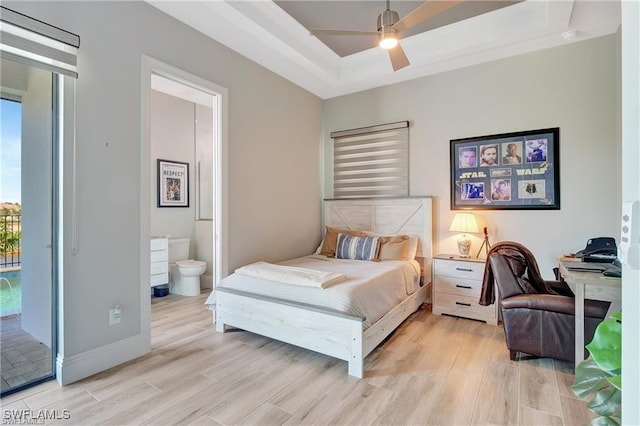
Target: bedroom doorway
185, 121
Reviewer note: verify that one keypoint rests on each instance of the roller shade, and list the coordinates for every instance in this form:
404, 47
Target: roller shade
371, 161
35, 43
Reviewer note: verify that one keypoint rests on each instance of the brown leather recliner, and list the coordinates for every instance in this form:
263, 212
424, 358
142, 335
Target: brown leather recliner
538, 315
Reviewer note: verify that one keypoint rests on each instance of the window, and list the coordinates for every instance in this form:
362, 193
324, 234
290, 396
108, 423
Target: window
371, 161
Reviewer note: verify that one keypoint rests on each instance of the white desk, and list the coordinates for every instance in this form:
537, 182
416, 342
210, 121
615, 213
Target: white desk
590, 285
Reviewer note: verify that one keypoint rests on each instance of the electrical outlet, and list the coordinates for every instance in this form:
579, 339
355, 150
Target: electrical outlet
115, 315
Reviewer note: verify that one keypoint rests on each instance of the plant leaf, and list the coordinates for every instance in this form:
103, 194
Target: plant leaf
589, 378
604, 421
616, 381
606, 402
605, 348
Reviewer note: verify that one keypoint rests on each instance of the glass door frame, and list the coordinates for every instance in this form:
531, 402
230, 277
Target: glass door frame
56, 157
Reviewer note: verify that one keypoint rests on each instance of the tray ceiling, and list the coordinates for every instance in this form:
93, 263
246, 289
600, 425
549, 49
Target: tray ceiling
276, 35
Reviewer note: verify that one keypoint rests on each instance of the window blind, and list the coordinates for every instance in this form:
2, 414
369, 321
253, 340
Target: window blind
35, 43
371, 161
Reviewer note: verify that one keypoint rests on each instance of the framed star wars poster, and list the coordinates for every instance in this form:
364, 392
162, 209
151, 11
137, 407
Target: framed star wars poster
508, 171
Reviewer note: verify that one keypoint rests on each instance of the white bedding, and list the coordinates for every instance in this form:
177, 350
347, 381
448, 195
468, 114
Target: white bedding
370, 290
291, 274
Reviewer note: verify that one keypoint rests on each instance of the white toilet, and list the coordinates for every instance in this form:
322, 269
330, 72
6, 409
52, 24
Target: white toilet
185, 273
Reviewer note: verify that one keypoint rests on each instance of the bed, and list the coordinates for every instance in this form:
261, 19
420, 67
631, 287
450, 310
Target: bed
351, 328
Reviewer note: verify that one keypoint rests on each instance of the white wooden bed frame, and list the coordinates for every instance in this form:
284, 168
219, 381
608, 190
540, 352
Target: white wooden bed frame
326, 331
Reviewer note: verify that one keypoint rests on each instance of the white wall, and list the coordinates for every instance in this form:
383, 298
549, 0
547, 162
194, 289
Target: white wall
572, 87
274, 203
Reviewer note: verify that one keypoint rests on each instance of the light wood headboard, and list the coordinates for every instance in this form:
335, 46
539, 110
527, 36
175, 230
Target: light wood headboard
389, 216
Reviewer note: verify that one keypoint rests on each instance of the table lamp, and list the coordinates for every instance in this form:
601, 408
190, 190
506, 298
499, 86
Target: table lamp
464, 222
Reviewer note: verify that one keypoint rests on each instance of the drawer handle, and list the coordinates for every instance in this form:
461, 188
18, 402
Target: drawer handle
463, 304
464, 286
464, 269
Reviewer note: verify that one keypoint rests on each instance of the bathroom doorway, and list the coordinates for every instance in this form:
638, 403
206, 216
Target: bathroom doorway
184, 124
183, 140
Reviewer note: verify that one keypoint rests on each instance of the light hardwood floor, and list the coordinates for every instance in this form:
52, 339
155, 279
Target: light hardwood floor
432, 370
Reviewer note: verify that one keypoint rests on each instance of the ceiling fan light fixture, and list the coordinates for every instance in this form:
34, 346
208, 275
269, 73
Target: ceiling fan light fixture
388, 35
388, 41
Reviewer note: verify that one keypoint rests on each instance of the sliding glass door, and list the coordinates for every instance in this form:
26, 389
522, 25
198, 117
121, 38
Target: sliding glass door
27, 238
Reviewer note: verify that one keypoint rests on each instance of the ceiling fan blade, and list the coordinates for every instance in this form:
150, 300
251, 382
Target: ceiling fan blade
423, 12
398, 58
342, 32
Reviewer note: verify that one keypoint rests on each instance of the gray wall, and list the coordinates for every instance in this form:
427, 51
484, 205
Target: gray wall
573, 87
271, 198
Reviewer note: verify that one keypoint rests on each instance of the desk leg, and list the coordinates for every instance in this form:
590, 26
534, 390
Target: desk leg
615, 306
579, 301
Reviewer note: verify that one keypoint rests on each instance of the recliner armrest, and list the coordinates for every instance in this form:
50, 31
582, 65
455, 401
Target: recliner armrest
560, 287
541, 302
555, 303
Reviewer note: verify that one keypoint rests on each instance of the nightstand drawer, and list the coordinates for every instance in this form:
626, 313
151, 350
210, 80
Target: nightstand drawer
461, 286
463, 306
457, 284
459, 269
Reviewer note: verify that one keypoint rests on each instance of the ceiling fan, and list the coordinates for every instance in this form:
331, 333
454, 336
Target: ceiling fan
390, 26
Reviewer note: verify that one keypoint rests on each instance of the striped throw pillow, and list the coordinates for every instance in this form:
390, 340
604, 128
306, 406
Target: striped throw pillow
358, 248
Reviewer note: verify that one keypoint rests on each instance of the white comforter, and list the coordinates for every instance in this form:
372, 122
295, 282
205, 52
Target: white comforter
287, 274
370, 290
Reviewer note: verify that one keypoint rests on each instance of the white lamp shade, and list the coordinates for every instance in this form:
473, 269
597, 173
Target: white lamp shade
464, 222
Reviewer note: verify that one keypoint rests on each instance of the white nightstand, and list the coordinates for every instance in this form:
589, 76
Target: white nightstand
456, 288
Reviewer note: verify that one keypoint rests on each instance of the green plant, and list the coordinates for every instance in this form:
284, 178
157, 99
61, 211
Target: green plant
9, 239
600, 375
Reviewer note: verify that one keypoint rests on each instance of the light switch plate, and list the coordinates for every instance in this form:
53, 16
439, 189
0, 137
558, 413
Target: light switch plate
630, 234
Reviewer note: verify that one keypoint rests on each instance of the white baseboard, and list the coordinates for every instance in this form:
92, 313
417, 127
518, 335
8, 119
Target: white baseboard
76, 367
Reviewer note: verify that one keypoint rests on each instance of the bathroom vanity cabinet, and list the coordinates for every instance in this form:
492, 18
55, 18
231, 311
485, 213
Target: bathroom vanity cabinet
159, 261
